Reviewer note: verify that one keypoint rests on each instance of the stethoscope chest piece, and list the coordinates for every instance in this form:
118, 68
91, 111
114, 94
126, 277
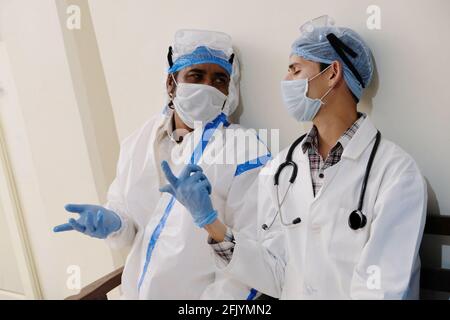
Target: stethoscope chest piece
357, 220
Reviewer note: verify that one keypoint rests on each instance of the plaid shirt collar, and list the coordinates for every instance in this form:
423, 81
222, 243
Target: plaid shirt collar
312, 139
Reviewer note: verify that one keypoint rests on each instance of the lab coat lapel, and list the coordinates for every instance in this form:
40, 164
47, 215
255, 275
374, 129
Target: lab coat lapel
330, 173
303, 184
356, 146
361, 140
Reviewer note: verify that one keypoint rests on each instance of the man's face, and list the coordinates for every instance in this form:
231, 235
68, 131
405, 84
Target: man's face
300, 68
208, 73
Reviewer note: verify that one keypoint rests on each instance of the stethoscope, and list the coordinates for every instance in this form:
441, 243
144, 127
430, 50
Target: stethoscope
356, 220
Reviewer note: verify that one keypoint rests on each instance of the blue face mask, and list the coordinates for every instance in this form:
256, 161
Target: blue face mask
298, 105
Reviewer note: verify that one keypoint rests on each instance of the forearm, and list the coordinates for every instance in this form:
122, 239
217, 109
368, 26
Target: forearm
253, 261
250, 262
216, 230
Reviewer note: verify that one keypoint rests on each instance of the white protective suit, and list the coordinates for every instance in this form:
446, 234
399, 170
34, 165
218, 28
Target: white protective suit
322, 257
170, 257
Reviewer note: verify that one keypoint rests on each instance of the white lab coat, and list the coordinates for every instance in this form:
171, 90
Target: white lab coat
321, 257
170, 257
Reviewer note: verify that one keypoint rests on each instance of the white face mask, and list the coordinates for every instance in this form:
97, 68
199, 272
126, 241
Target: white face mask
198, 103
298, 105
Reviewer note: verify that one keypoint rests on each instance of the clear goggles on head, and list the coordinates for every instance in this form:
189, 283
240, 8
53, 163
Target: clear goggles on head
218, 44
316, 30
323, 28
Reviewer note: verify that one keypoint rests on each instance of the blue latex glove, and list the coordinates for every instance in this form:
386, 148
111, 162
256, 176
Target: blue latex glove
94, 221
192, 189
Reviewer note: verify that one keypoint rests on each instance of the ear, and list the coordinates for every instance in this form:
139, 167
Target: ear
170, 85
337, 73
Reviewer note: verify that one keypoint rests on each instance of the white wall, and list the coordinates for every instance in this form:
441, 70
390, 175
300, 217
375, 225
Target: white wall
48, 144
409, 99
9, 269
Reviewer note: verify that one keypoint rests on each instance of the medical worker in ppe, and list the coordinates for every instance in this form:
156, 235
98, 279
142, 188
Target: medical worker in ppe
340, 212
169, 257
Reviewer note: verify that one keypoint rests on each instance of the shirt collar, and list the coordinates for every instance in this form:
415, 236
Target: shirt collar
168, 128
311, 139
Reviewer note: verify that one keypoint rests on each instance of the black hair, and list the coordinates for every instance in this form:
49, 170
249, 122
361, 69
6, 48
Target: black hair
323, 66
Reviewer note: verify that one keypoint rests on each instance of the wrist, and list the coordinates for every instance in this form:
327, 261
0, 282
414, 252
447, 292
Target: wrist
216, 230
209, 219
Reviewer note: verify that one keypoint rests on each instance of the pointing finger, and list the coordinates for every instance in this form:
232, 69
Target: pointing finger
168, 173
75, 208
63, 227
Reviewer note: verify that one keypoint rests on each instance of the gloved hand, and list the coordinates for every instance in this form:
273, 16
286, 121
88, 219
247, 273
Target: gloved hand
94, 221
192, 189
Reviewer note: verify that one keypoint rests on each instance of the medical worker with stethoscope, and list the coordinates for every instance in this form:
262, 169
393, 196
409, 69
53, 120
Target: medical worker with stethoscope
341, 211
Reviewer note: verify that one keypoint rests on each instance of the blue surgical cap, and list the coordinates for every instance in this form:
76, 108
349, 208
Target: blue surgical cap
315, 47
202, 55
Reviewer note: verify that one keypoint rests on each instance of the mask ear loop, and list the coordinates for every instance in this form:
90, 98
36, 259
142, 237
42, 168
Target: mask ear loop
231, 60
223, 106
225, 102
326, 93
329, 90
170, 62
175, 81
170, 93
320, 73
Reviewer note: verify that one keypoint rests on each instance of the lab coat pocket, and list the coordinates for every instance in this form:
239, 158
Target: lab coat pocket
346, 244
